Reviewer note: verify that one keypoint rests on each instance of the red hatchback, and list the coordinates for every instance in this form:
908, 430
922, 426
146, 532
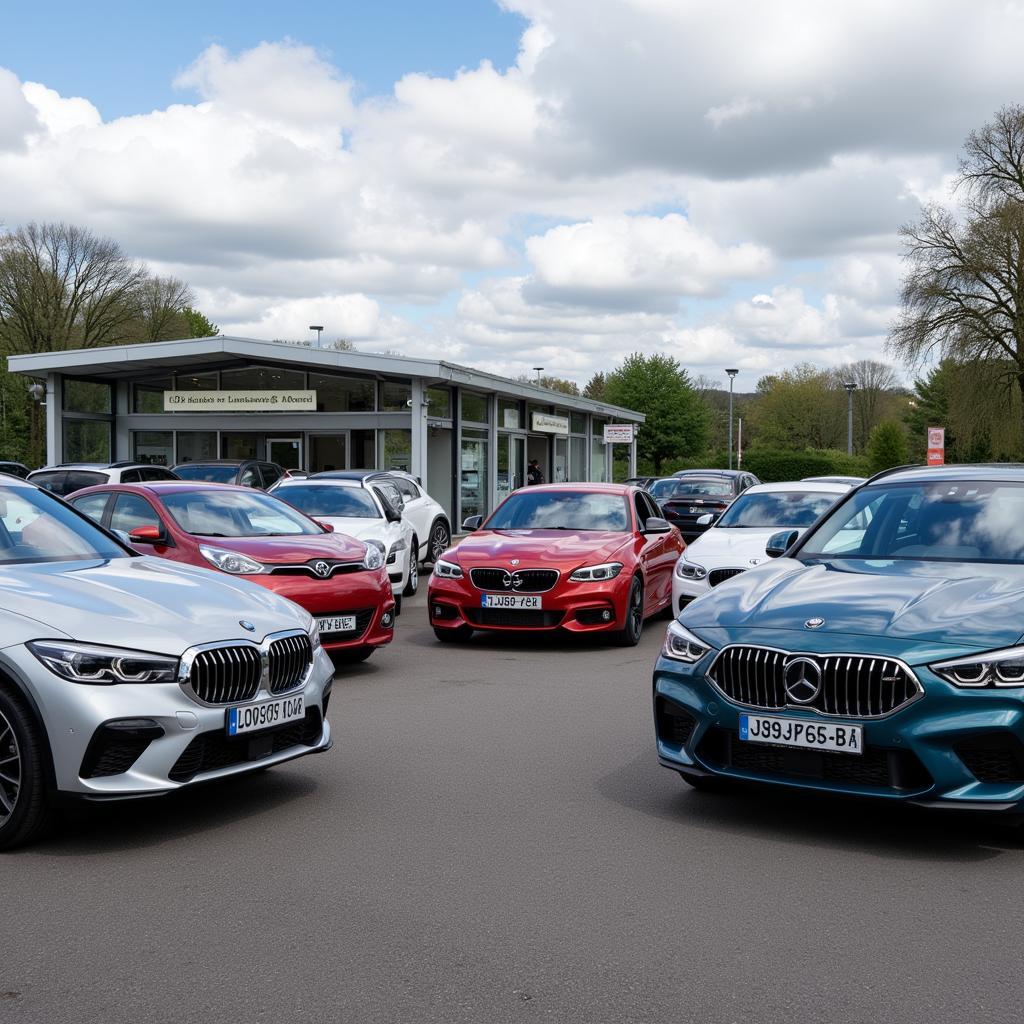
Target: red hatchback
588, 558
340, 581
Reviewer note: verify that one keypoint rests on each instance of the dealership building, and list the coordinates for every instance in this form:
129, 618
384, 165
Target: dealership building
468, 435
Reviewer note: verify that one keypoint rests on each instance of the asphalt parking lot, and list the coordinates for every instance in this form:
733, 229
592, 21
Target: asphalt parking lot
492, 839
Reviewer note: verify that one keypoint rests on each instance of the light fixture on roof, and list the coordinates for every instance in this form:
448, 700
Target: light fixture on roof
318, 328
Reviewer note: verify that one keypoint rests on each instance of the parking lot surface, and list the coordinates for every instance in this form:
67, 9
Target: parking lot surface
492, 839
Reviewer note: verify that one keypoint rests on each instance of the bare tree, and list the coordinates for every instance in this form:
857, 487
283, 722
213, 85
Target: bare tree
872, 403
63, 287
163, 302
963, 293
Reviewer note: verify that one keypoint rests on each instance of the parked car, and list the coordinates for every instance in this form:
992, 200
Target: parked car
340, 581
852, 481
694, 499
427, 516
737, 541
126, 676
586, 558
878, 655
640, 481
73, 476
371, 512
14, 469
243, 472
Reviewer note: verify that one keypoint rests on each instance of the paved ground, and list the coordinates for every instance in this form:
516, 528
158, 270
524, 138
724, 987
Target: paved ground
491, 840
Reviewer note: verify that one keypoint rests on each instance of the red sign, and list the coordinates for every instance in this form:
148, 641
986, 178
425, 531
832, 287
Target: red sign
936, 446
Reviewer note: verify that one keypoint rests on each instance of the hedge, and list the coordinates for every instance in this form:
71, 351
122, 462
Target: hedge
771, 465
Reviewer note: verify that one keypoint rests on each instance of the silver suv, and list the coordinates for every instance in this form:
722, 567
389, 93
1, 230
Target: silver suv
123, 675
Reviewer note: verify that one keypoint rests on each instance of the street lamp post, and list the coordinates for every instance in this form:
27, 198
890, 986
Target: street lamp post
537, 369
850, 386
732, 377
318, 328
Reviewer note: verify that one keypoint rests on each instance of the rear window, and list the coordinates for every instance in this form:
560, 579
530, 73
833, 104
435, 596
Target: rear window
204, 471
330, 500
690, 488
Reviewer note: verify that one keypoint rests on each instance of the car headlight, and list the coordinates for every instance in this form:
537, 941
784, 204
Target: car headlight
997, 668
690, 570
231, 561
103, 666
314, 635
447, 570
681, 645
596, 573
374, 557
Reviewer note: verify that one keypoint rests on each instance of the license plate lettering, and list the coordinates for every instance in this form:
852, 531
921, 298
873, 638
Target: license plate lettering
510, 601
791, 732
336, 623
265, 715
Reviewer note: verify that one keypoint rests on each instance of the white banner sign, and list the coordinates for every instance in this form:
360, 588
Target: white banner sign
240, 401
545, 423
618, 433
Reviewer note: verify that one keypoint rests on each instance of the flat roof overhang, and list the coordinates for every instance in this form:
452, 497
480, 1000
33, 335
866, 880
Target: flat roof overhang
121, 362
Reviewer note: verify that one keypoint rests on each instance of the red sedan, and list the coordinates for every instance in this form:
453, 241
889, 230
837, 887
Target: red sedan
587, 558
343, 583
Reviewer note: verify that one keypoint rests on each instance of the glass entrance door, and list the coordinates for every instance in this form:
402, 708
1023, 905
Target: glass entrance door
285, 451
560, 461
511, 463
327, 452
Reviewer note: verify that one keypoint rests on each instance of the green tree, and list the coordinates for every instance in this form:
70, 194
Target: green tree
562, 384
887, 446
594, 388
677, 419
198, 325
803, 407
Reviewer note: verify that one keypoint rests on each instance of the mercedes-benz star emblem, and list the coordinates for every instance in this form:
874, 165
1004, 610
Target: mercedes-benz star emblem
816, 623
802, 680
247, 625
322, 569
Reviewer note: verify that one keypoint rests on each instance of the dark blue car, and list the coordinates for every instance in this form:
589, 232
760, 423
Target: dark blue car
881, 655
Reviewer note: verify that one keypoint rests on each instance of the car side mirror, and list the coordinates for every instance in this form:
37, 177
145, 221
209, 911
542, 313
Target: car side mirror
146, 535
779, 543
326, 527
657, 525
707, 519
472, 523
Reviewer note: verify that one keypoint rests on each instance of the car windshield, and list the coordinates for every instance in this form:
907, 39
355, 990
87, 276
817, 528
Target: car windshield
213, 474
775, 510
952, 520
331, 500
561, 510
35, 527
694, 487
663, 488
241, 513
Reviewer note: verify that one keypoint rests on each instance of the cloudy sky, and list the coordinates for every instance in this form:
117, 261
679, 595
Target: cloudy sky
515, 183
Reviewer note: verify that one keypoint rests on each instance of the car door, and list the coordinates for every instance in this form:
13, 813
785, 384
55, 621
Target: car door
250, 477
653, 554
93, 505
130, 511
401, 530
417, 508
271, 474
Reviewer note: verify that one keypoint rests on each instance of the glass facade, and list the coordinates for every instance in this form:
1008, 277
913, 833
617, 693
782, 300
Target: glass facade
342, 394
327, 452
474, 407
87, 396
154, 447
395, 450
439, 403
395, 397
262, 378
196, 445
510, 415
87, 441
473, 491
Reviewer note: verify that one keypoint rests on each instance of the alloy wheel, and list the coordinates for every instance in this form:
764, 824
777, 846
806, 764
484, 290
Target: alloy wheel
10, 769
439, 541
636, 610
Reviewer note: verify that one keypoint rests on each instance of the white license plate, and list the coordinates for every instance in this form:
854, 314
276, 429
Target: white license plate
265, 715
797, 732
510, 601
336, 624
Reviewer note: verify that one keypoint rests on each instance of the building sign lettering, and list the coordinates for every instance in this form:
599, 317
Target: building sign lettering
240, 401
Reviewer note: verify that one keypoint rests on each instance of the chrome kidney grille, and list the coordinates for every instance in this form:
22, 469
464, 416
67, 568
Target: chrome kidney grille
849, 685
233, 673
514, 581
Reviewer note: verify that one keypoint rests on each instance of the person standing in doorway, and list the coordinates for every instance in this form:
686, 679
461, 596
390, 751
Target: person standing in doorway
533, 473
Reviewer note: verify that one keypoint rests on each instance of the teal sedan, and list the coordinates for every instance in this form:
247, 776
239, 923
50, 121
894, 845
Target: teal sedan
880, 654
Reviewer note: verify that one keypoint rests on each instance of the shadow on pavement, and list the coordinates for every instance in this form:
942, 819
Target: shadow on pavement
810, 819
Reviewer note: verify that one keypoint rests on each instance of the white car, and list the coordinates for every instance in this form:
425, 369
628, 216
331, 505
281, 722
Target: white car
428, 517
737, 541
368, 510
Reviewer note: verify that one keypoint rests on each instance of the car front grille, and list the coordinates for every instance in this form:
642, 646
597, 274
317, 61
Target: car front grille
226, 675
717, 576
288, 662
850, 685
210, 751
514, 581
334, 568
524, 618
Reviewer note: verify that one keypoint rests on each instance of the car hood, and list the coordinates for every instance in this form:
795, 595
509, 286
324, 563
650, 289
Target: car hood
289, 550
144, 603
362, 529
563, 549
944, 602
735, 547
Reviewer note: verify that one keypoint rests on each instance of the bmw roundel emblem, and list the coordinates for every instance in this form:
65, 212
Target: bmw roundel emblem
513, 561
816, 623
245, 624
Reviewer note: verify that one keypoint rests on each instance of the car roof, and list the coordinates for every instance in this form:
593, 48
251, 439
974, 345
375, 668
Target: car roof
218, 462
711, 472
345, 474
161, 487
808, 486
584, 487
993, 471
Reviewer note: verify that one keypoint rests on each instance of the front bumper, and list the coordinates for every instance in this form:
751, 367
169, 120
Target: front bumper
953, 748
187, 741
575, 607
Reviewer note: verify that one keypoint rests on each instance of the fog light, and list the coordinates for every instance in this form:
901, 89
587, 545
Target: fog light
606, 615
387, 620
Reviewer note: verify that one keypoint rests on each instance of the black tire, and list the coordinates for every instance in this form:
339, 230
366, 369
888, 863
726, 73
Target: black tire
398, 604
630, 635
459, 635
352, 656
439, 540
412, 584
25, 807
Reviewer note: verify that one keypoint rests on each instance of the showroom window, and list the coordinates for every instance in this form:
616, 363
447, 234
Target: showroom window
262, 378
439, 403
87, 396
242, 445
197, 381
153, 447
87, 440
342, 394
577, 423
395, 397
196, 445
395, 449
510, 414
474, 407
473, 475
148, 395
577, 458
